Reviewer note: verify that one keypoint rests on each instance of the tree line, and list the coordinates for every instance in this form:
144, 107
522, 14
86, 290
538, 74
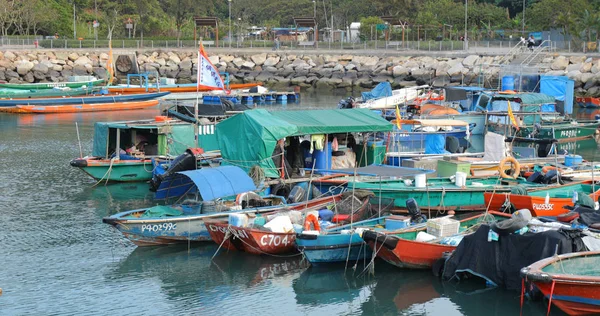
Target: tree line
174, 18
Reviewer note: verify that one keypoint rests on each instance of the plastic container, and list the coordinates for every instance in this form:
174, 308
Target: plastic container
322, 158
573, 160
393, 160
238, 220
259, 220
508, 83
397, 223
449, 168
442, 227
461, 179
280, 224
420, 180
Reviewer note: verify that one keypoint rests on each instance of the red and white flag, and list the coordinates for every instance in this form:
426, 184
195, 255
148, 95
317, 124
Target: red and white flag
208, 75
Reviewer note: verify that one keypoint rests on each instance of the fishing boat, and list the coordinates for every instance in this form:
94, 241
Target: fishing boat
588, 102
4, 103
43, 93
442, 193
344, 243
405, 251
52, 85
80, 108
178, 88
416, 130
383, 97
161, 138
550, 201
162, 225
569, 281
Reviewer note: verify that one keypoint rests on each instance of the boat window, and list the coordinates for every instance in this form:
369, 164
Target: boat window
144, 140
483, 101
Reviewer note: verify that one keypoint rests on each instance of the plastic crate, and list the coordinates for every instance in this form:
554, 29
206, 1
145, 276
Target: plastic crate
442, 227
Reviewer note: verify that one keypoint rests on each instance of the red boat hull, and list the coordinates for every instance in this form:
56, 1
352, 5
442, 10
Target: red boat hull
411, 254
573, 299
251, 240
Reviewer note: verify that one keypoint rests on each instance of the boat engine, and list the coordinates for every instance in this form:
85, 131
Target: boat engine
185, 161
346, 103
415, 212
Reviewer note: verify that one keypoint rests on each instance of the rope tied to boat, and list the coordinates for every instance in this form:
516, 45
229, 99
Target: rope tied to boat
107, 173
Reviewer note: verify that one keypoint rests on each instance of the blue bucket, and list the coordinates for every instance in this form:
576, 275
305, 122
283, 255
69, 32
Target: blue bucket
573, 160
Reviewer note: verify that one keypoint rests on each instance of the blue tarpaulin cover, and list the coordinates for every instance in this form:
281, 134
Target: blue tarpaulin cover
435, 144
383, 89
212, 183
561, 88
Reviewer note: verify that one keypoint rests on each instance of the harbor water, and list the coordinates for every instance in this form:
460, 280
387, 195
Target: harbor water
58, 258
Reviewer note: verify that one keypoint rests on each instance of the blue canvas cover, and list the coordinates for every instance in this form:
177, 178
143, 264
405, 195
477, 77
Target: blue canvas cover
212, 183
561, 88
435, 144
383, 89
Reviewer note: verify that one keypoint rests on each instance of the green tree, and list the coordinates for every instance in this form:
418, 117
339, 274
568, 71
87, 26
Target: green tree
366, 24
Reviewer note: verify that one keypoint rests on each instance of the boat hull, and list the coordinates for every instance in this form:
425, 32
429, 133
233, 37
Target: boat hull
120, 170
177, 88
588, 102
79, 108
536, 204
410, 254
51, 85
333, 248
564, 132
82, 100
250, 240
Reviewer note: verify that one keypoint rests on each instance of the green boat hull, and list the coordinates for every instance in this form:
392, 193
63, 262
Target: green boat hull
440, 193
43, 93
564, 132
51, 85
130, 172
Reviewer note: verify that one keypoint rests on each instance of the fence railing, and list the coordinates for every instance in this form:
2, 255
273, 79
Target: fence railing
501, 46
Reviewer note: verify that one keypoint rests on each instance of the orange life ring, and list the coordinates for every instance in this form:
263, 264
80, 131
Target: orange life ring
311, 219
516, 168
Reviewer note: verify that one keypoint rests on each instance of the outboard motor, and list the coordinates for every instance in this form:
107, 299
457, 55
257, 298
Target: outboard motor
415, 212
346, 103
185, 161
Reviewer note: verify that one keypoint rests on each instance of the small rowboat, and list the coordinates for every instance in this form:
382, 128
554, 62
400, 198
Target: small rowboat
51, 85
543, 202
588, 102
77, 108
82, 100
404, 251
570, 281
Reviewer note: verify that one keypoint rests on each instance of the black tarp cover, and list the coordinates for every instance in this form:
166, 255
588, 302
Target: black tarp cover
499, 262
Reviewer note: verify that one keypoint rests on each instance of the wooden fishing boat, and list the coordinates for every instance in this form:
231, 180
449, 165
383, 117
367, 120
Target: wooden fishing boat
416, 130
43, 93
161, 138
339, 243
563, 131
543, 201
82, 100
78, 108
181, 88
588, 102
404, 251
256, 239
162, 225
442, 193
570, 281
51, 85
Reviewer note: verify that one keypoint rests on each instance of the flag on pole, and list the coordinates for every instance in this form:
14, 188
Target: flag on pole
208, 75
512, 117
398, 118
109, 63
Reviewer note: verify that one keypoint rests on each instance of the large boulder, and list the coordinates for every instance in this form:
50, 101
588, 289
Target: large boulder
238, 62
457, 69
470, 60
83, 60
23, 67
398, 71
574, 67
271, 61
174, 58
248, 65
560, 63
259, 59
73, 56
41, 67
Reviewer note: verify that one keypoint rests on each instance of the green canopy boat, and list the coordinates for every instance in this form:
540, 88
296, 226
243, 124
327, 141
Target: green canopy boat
162, 139
443, 193
249, 138
52, 85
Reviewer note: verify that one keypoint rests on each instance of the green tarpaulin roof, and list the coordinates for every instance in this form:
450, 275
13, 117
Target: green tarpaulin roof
249, 138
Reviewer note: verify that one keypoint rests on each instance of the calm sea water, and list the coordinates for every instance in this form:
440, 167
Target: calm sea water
57, 258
